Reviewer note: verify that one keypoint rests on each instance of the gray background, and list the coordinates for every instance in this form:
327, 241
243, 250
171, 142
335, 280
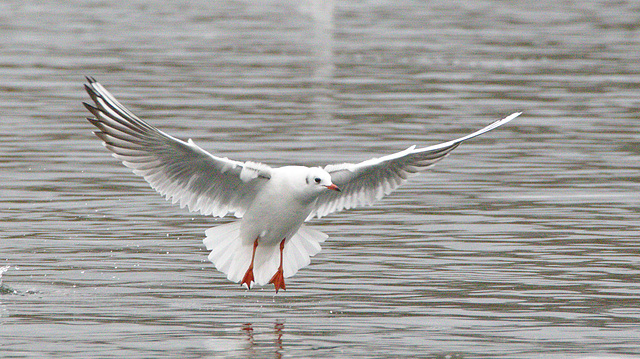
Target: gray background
521, 244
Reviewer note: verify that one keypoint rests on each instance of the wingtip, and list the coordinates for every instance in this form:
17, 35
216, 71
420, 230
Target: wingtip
89, 106
94, 121
508, 118
94, 110
91, 90
514, 115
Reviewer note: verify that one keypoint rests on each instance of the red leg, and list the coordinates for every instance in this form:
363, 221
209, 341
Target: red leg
278, 279
248, 277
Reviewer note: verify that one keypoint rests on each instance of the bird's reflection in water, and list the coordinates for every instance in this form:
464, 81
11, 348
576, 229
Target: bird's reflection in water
278, 328
250, 342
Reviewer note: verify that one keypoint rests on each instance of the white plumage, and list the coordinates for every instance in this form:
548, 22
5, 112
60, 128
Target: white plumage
270, 242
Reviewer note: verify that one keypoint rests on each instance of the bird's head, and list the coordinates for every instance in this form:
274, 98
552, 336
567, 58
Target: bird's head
319, 180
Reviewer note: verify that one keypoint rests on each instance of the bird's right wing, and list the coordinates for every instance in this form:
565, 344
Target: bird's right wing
180, 171
365, 182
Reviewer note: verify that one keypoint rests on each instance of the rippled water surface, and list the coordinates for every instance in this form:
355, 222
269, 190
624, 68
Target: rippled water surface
522, 244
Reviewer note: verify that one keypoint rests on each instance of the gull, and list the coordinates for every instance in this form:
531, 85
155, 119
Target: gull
270, 241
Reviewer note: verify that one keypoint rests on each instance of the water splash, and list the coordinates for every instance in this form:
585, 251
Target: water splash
4, 289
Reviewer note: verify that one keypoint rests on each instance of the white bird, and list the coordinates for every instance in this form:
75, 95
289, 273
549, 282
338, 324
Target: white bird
270, 242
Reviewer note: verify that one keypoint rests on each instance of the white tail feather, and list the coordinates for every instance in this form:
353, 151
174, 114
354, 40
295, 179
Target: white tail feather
232, 257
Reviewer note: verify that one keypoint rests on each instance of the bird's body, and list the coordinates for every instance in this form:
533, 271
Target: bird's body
276, 214
278, 210
270, 241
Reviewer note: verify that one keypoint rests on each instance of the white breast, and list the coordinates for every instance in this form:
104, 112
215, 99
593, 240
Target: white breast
276, 213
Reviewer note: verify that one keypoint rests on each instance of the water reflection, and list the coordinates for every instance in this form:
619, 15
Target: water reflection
321, 14
251, 341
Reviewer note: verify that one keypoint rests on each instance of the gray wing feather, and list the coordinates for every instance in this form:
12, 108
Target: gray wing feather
181, 171
366, 182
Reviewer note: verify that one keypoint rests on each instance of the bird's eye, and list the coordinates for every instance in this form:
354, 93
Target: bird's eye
318, 180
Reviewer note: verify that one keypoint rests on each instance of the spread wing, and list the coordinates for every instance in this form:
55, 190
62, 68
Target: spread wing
180, 171
366, 182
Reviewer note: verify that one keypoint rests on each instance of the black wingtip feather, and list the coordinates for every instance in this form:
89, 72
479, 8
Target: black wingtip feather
89, 106
92, 93
101, 135
95, 122
94, 110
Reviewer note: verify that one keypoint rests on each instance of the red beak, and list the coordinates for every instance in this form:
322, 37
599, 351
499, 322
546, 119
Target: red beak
334, 187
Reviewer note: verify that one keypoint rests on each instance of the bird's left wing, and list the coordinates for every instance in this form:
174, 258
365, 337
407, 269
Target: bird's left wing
179, 170
366, 182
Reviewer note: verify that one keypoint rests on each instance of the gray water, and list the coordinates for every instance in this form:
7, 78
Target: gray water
522, 244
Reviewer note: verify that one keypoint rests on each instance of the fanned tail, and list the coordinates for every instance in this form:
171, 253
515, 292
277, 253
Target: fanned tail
231, 256
300, 248
228, 253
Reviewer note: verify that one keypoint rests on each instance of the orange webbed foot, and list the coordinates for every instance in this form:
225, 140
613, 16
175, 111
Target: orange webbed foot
278, 280
248, 278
